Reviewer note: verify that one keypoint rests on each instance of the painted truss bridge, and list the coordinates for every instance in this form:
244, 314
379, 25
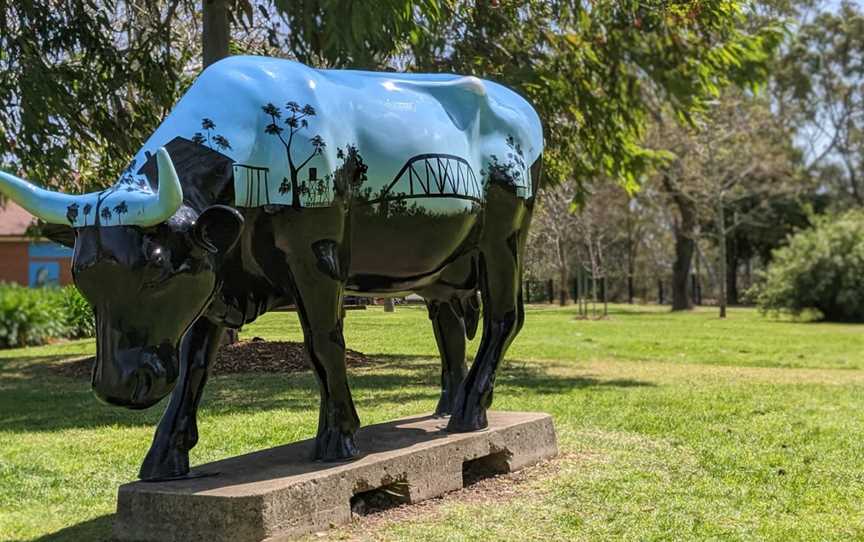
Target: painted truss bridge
433, 176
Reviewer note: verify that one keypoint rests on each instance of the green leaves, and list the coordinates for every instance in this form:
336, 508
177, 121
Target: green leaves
79, 91
350, 33
818, 82
821, 268
598, 71
30, 316
82, 87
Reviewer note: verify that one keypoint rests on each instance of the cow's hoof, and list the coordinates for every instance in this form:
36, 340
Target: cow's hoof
335, 445
191, 475
467, 421
446, 405
164, 465
443, 409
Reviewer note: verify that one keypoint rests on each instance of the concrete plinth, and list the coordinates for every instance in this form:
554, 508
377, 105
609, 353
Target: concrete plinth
280, 493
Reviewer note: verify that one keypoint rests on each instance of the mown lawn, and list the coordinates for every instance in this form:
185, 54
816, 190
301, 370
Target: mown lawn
670, 426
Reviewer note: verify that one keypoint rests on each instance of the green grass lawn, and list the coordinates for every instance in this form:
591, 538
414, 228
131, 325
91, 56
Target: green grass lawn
670, 426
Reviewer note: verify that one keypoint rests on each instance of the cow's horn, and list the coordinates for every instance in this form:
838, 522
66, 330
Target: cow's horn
54, 207
45, 204
168, 198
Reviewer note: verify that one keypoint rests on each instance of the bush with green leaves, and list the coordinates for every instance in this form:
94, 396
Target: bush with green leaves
79, 314
821, 268
30, 316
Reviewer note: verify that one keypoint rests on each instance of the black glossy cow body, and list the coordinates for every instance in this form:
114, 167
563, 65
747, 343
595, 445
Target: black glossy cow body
266, 257
165, 290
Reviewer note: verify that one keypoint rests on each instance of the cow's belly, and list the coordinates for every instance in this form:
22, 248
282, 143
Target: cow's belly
406, 251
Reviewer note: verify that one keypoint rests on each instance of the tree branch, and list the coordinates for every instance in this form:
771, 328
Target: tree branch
311, 156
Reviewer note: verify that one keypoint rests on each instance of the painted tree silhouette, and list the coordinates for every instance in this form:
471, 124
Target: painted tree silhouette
105, 214
121, 209
285, 186
72, 213
513, 171
217, 141
348, 178
87, 209
221, 142
297, 119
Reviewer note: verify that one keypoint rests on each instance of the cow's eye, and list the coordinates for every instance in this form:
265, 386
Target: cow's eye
159, 272
157, 256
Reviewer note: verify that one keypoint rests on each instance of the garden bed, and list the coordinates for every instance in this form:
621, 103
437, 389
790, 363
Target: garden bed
255, 356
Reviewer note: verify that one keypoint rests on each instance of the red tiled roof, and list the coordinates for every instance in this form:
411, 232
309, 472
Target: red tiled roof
14, 220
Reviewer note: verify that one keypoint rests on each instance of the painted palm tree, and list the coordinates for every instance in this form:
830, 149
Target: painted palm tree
121, 209
72, 213
87, 208
105, 214
208, 125
298, 119
216, 141
221, 143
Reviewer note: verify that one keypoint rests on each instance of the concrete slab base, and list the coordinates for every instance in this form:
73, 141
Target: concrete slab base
280, 493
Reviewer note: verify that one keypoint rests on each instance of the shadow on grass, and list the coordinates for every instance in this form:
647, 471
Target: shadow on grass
95, 530
32, 399
631, 310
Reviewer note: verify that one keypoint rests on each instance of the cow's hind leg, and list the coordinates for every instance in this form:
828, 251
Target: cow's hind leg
177, 432
503, 314
449, 327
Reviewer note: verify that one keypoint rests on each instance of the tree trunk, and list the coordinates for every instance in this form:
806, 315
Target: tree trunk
721, 244
585, 288
631, 264
389, 306
295, 191
605, 298
732, 271
631, 289
685, 245
216, 34
563, 274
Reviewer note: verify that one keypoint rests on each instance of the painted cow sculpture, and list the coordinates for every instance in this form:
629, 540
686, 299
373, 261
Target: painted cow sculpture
273, 183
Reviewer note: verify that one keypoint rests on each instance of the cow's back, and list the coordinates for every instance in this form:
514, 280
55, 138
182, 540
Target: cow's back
426, 145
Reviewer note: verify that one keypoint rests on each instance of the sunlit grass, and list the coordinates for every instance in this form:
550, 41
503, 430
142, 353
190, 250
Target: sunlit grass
673, 427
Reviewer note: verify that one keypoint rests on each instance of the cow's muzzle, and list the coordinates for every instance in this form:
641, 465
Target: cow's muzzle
135, 378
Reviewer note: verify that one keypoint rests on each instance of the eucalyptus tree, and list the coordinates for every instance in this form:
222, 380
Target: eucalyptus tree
818, 86
740, 151
597, 70
82, 86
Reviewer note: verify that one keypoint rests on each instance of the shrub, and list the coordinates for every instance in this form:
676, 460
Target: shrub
79, 314
30, 316
821, 268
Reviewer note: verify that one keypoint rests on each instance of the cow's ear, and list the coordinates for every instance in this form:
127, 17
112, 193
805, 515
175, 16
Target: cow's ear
218, 228
59, 233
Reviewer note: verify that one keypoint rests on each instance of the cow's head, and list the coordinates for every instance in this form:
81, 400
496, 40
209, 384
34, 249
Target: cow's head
148, 275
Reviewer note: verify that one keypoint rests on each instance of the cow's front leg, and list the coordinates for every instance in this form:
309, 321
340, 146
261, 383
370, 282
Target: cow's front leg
319, 291
178, 429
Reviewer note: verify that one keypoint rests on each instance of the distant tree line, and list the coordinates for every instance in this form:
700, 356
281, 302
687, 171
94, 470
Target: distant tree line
684, 139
